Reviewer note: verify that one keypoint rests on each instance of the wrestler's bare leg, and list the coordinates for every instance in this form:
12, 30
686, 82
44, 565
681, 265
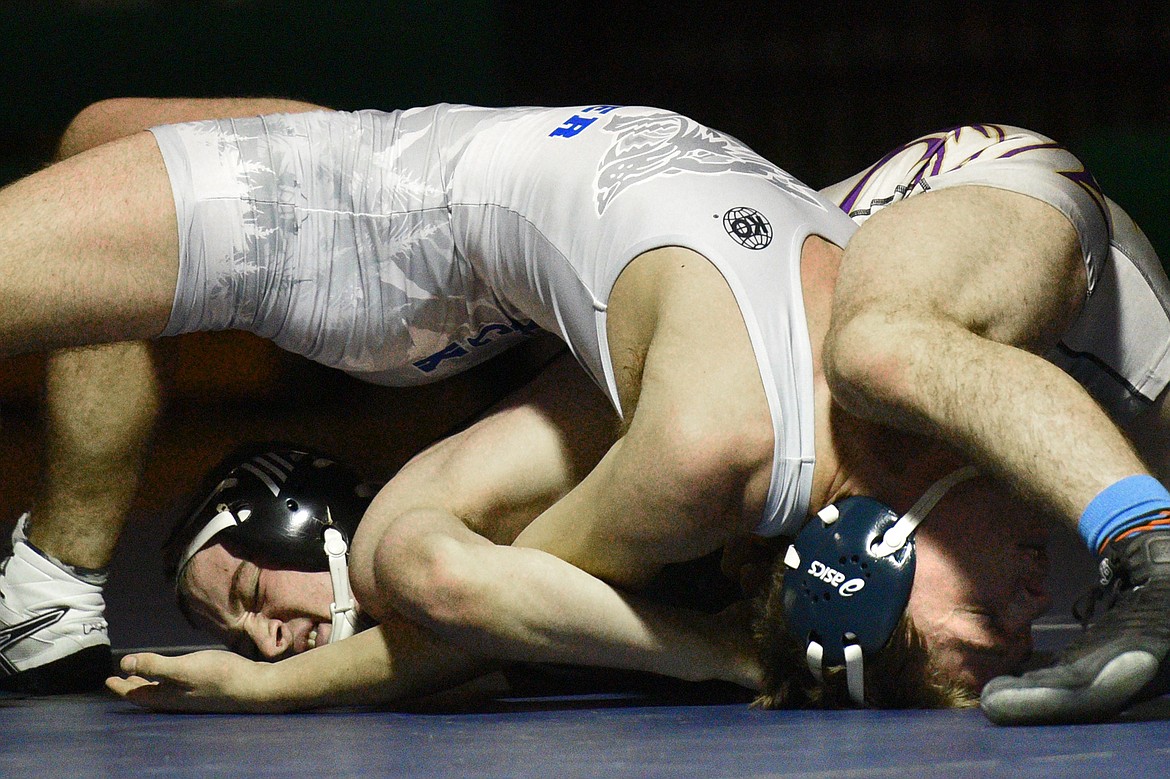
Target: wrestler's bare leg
101, 403
944, 304
91, 245
942, 309
88, 250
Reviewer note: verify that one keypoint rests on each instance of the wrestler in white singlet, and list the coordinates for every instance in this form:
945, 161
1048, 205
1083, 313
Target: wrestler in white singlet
403, 247
1119, 346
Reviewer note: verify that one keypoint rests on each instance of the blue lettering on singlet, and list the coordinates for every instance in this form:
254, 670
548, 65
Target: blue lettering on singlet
487, 334
576, 123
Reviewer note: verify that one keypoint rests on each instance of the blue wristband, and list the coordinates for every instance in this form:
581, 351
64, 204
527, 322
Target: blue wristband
1121, 506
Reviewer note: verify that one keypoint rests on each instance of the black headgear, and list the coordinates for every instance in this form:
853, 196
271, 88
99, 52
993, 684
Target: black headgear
852, 567
281, 498
277, 505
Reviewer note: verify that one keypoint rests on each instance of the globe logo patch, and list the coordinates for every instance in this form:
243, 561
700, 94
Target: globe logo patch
748, 227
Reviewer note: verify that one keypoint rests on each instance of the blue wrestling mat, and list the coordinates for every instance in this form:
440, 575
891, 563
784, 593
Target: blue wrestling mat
576, 736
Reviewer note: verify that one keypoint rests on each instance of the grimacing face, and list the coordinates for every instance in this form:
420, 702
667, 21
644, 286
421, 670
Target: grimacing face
263, 613
981, 581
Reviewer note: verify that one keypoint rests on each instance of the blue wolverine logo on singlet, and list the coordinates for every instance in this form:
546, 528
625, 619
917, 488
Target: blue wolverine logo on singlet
668, 144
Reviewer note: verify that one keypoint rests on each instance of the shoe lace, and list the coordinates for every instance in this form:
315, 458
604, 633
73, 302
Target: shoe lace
1127, 609
1085, 607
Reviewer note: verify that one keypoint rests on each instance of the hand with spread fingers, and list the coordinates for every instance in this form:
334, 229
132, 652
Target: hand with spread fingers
211, 681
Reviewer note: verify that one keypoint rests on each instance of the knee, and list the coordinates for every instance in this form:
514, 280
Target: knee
99, 123
853, 353
868, 354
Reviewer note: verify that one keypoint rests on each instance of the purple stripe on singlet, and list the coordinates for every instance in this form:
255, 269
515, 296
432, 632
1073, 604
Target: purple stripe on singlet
932, 159
986, 130
1082, 178
851, 199
935, 152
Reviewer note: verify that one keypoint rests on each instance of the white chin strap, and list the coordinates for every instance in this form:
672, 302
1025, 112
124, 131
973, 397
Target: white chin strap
343, 608
896, 537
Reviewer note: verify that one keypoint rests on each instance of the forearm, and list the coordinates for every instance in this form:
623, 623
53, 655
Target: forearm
523, 604
383, 665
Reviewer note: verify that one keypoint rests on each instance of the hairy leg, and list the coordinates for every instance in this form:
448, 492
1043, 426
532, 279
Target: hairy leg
101, 403
88, 249
88, 254
943, 305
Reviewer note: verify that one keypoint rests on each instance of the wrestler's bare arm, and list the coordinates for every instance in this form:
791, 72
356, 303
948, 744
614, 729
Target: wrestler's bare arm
434, 549
693, 468
101, 403
943, 304
394, 662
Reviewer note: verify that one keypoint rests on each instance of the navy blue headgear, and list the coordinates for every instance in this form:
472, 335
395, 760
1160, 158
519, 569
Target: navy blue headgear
851, 569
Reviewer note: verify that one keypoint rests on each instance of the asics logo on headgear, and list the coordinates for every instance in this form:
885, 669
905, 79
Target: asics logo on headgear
835, 578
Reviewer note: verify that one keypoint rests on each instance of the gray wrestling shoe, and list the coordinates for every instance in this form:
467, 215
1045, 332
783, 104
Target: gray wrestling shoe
53, 635
1121, 658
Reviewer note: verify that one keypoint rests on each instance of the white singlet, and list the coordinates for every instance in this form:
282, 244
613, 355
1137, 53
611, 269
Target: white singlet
403, 247
1119, 346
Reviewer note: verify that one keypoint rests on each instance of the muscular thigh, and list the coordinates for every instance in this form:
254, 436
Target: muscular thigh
89, 249
1003, 265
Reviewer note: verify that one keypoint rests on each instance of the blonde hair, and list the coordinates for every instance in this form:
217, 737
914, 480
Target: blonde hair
900, 676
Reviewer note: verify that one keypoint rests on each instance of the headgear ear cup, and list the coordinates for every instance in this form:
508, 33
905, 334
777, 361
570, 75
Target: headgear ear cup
851, 569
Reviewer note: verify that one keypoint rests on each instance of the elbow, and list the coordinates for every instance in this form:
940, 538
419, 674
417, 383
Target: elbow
430, 579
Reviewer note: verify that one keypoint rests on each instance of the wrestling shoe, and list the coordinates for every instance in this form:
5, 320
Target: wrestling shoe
1118, 661
53, 635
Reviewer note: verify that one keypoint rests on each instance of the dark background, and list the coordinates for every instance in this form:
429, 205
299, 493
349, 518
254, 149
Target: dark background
822, 88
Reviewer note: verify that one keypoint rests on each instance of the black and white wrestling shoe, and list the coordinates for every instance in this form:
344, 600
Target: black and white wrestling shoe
53, 633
